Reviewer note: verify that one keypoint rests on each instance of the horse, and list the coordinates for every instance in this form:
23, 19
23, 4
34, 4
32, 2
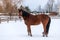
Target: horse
30, 19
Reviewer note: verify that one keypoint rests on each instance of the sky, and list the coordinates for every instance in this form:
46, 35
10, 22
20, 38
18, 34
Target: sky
33, 4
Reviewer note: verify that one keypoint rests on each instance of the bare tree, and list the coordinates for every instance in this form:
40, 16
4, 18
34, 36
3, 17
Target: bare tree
1, 9
39, 8
10, 6
49, 5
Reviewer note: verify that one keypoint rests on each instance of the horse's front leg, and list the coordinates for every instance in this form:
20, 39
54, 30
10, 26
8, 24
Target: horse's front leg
29, 30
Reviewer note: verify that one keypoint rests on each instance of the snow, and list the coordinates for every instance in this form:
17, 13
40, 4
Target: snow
18, 31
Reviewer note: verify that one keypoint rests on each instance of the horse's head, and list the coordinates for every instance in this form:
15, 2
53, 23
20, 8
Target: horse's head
23, 13
20, 12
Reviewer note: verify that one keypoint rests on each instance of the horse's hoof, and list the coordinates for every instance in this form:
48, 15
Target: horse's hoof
46, 36
30, 35
43, 36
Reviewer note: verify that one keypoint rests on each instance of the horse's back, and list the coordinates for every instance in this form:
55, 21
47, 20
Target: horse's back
42, 16
37, 19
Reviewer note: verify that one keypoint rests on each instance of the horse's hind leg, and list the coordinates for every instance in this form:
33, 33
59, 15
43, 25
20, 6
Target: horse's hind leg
44, 27
29, 30
47, 27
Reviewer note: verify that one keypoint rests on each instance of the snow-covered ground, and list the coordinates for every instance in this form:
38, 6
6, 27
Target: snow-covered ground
17, 31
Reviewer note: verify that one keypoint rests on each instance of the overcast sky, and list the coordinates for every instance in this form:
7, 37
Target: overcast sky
33, 4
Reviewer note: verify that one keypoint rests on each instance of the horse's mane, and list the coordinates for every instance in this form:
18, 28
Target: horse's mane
25, 14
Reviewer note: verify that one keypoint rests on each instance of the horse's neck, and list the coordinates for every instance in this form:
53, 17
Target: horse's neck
27, 17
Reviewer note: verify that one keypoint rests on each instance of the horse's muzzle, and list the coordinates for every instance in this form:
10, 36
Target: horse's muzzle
20, 17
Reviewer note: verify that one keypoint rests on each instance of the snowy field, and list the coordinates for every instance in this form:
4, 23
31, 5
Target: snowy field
17, 31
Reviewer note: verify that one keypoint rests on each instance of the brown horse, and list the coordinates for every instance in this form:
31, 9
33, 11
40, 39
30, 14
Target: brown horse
30, 19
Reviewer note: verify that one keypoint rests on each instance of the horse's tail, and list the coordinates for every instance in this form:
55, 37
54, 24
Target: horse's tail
48, 25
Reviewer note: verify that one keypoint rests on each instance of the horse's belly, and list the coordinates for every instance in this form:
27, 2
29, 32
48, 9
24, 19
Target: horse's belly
36, 23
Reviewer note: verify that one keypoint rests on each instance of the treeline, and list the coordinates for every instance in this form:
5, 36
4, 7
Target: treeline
9, 6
